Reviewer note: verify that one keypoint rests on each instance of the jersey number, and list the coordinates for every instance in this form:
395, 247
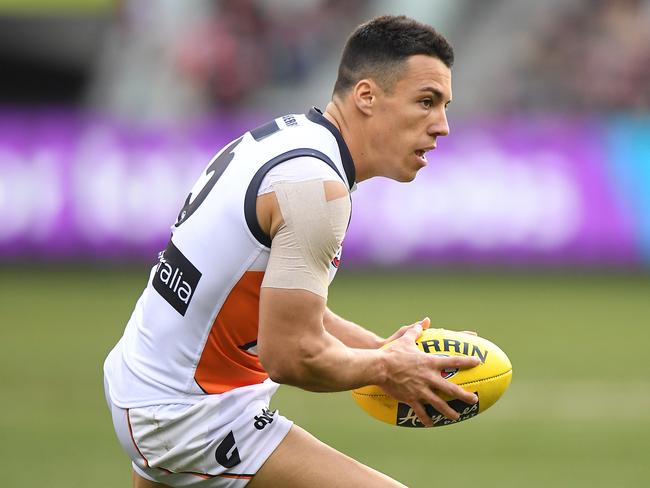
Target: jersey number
217, 168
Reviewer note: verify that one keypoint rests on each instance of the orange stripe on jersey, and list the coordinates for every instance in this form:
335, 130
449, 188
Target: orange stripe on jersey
237, 476
223, 365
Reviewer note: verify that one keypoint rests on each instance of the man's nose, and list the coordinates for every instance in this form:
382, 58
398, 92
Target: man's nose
439, 126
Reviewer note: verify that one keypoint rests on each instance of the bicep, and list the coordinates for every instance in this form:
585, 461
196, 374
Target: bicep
294, 289
290, 328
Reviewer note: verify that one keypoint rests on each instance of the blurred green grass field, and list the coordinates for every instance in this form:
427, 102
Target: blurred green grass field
576, 415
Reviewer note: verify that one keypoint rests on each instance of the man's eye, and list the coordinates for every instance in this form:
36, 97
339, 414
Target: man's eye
427, 103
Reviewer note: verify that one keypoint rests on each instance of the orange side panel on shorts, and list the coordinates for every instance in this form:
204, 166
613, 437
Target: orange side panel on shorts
223, 365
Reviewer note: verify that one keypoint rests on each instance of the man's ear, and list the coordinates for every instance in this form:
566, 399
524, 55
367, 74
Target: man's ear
364, 95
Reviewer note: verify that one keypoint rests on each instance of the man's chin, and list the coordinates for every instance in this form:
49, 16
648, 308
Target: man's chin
406, 177
402, 178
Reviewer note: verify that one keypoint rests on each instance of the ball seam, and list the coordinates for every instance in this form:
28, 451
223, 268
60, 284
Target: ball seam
384, 395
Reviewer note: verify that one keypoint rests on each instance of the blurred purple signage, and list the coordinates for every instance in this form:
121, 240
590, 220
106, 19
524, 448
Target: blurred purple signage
514, 191
508, 192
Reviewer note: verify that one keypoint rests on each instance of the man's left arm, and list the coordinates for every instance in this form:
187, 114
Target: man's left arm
349, 333
354, 335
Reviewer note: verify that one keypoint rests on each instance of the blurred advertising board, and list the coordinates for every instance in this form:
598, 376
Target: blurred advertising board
511, 191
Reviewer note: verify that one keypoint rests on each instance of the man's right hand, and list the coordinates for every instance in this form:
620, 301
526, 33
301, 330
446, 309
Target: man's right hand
414, 377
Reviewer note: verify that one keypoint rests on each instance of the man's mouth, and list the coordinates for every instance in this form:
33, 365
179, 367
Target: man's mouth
421, 153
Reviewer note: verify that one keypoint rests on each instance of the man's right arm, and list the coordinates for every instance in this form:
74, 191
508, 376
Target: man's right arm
295, 349
294, 346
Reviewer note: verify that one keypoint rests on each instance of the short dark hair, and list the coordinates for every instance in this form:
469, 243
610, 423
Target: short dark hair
378, 48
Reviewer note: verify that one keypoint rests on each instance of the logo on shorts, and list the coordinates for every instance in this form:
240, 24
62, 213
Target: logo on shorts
227, 453
263, 420
176, 278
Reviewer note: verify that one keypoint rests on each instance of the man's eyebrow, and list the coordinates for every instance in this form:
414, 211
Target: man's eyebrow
436, 92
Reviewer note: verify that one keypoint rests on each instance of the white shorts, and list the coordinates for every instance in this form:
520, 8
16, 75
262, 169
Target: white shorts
219, 442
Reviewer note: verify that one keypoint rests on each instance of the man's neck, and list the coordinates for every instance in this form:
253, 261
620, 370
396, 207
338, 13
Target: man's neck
335, 112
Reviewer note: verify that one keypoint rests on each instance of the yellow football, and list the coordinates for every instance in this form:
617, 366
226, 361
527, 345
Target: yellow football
489, 380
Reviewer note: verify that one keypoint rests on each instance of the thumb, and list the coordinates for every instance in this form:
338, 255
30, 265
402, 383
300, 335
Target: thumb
426, 323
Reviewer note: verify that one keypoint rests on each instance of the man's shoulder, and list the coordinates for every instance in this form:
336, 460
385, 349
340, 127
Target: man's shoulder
291, 129
293, 132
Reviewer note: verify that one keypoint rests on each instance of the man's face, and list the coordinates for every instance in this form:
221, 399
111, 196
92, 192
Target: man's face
408, 118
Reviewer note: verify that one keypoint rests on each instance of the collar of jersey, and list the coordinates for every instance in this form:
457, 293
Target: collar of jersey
316, 116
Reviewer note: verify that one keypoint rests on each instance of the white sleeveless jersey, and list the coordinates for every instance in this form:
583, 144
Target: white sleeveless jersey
194, 329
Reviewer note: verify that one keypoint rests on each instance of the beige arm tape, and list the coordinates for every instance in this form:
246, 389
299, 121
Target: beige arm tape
308, 239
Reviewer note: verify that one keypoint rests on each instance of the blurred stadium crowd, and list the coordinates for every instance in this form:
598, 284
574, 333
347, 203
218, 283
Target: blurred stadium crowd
591, 55
165, 59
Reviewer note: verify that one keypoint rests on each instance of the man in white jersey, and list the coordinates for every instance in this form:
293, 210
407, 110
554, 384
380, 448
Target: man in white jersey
238, 300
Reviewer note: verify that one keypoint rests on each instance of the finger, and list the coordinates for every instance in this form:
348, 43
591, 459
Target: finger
422, 414
418, 326
467, 396
460, 362
414, 331
399, 333
442, 407
470, 332
455, 391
